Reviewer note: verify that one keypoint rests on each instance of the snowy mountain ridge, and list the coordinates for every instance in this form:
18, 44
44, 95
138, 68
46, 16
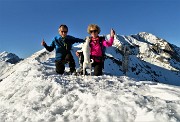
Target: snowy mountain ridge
31, 90
150, 58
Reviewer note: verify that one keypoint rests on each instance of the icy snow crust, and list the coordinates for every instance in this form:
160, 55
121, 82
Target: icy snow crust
33, 92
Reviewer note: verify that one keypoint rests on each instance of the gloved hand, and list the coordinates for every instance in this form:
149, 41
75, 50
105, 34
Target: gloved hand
112, 33
43, 42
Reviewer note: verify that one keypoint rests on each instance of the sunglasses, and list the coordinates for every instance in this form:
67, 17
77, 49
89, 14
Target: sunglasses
63, 31
93, 31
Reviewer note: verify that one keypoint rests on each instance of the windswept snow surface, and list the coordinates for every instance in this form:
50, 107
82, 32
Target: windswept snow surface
35, 93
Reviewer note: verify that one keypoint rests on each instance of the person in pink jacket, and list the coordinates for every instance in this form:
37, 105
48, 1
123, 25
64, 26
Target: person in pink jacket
97, 45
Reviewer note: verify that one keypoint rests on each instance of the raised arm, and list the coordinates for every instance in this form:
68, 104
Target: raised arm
111, 40
48, 48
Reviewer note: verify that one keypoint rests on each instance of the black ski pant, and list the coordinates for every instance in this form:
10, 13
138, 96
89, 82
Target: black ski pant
98, 66
60, 64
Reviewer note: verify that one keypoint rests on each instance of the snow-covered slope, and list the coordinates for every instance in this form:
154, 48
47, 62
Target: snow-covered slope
33, 92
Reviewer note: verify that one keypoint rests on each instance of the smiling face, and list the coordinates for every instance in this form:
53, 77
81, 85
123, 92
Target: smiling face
93, 30
63, 31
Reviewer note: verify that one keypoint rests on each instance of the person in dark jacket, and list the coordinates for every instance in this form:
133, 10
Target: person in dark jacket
63, 45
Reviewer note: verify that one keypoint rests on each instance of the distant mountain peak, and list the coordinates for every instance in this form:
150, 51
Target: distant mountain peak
144, 33
9, 57
150, 58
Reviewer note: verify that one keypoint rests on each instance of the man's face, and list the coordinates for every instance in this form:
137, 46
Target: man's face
63, 32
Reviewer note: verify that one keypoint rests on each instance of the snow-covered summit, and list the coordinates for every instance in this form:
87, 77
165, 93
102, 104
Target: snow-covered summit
9, 57
33, 92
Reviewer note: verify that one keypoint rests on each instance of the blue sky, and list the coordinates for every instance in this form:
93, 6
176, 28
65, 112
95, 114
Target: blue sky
24, 23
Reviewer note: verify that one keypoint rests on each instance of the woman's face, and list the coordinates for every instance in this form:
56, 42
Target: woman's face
93, 32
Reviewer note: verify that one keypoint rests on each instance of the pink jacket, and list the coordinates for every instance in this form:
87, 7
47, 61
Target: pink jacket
96, 47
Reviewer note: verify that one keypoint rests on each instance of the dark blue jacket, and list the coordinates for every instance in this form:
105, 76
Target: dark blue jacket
63, 46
